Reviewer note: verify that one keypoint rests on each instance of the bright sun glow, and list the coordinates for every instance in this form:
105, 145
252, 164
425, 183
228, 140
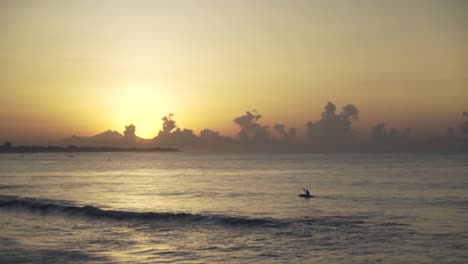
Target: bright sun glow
143, 105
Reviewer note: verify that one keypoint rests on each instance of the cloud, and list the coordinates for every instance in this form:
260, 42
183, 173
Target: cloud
211, 137
333, 132
451, 134
332, 128
454, 135
172, 136
286, 136
168, 124
380, 134
250, 130
464, 125
184, 137
129, 132
245, 122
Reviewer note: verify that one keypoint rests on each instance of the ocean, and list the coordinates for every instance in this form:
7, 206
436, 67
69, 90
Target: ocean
233, 208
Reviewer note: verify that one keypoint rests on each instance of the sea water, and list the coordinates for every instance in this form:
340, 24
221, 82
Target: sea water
233, 208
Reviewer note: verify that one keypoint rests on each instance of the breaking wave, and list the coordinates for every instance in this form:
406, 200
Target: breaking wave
68, 209
48, 206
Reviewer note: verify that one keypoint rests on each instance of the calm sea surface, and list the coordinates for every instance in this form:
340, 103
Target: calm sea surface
233, 208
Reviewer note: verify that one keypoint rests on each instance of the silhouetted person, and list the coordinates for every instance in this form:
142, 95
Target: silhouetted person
306, 191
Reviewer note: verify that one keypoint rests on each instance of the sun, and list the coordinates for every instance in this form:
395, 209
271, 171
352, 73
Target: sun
143, 106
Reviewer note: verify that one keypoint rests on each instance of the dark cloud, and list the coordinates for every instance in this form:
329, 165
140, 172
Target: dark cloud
381, 134
172, 136
250, 130
286, 136
245, 122
451, 133
461, 133
211, 137
129, 132
332, 128
168, 124
184, 137
464, 125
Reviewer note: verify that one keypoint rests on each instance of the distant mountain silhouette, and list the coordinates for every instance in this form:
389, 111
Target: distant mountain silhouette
108, 135
108, 138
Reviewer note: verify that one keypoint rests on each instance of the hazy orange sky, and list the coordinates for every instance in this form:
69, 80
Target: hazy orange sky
82, 67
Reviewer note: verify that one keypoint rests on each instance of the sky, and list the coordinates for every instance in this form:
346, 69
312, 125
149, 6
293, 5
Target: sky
83, 67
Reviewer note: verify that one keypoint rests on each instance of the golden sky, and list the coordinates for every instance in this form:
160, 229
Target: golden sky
82, 67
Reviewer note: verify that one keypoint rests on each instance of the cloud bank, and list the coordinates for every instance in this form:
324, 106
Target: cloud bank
332, 132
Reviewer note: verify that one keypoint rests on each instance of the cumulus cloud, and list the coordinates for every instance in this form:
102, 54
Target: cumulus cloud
451, 133
464, 125
332, 128
129, 132
211, 137
170, 135
184, 137
250, 130
381, 134
286, 136
245, 122
168, 124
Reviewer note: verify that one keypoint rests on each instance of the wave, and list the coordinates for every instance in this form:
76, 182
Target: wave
49, 206
6, 187
68, 209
